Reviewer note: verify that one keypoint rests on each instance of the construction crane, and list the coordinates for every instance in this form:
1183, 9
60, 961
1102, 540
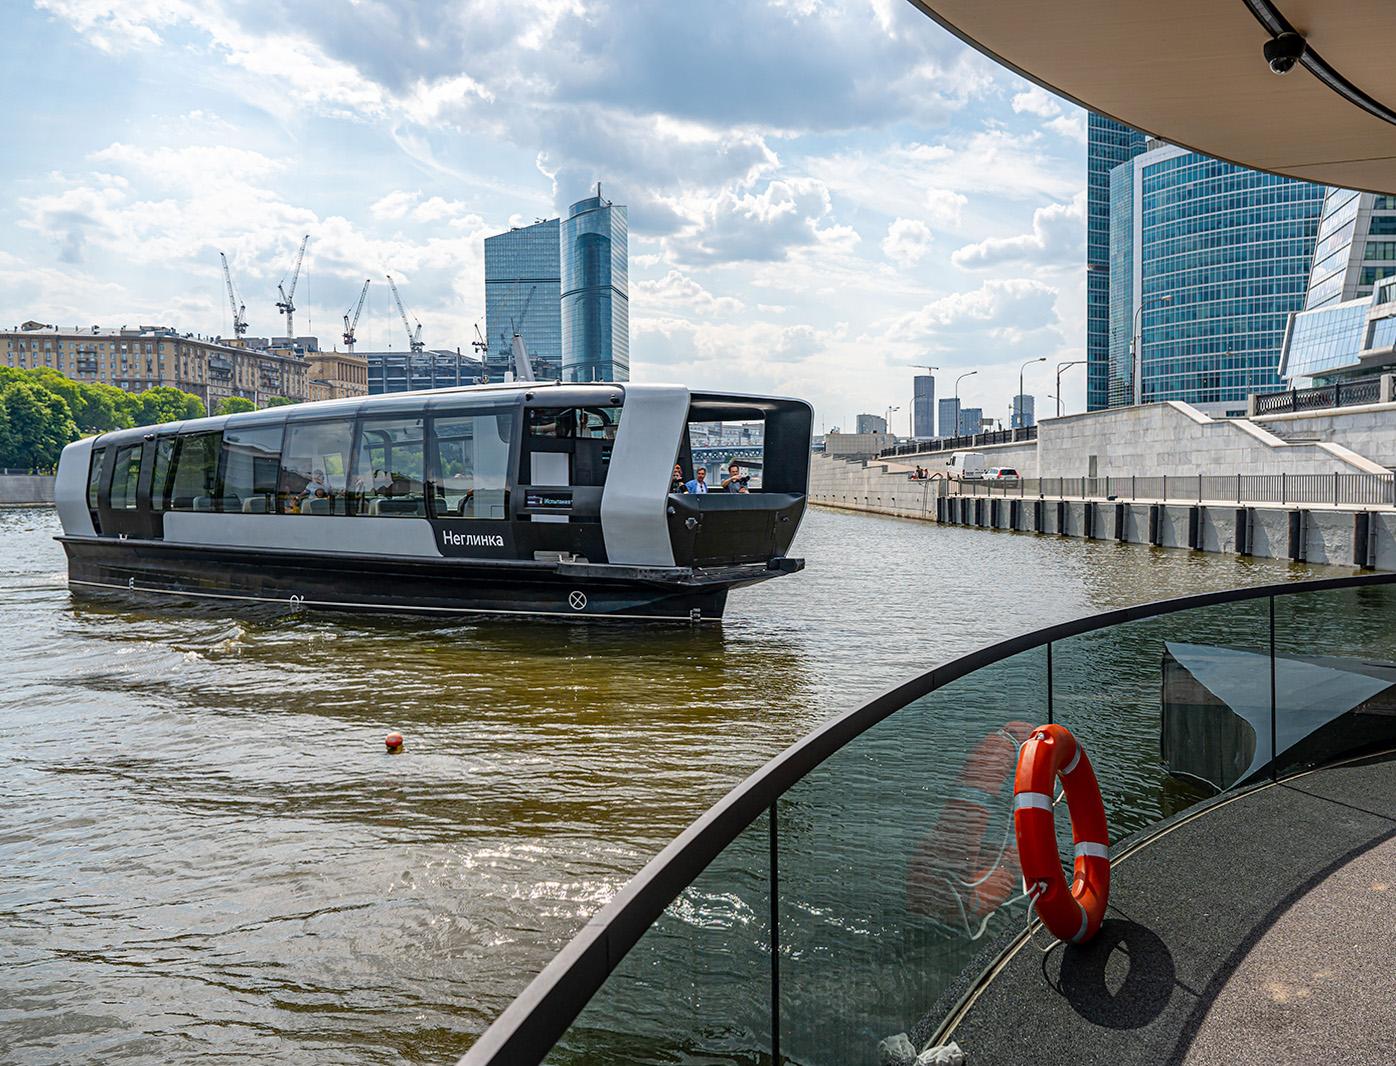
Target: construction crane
239, 308
414, 339
287, 305
350, 326
479, 343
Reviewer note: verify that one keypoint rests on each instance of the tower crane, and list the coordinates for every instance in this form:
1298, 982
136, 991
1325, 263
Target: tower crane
239, 308
414, 339
287, 305
479, 343
350, 326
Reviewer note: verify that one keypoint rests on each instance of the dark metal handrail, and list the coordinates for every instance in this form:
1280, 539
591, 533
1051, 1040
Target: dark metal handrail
967, 440
1339, 394
531, 1025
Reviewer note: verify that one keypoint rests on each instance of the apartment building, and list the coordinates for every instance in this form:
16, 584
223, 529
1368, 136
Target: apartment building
336, 375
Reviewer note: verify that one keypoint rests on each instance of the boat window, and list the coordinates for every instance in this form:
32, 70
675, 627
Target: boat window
586, 435
315, 467
471, 464
389, 472
94, 476
251, 466
160, 481
126, 478
195, 472
597, 423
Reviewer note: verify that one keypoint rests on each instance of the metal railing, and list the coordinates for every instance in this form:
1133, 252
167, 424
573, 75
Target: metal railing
969, 440
836, 896
1339, 394
1336, 490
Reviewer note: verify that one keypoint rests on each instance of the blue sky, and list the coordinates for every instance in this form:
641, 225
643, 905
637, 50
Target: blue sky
821, 193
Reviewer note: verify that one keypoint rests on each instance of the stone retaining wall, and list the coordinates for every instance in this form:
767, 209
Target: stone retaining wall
21, 490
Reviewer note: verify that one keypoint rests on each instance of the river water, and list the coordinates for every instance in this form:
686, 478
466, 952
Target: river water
205, 851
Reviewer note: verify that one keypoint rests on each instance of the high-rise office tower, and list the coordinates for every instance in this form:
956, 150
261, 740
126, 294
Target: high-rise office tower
923, 407
971, 420
871, 424
595, 292
948, 417
1108, 144
1208, 260
1024, 412
1356, 246
523, 292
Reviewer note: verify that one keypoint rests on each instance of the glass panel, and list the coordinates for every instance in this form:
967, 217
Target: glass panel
1169, 709
251, 467
389, 474
160, 480
125, 478
696, 988
897, 864
94, 476
472, 464
315, 467
1335, 673
196, 471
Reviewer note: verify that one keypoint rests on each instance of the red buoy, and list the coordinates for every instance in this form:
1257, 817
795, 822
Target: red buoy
393, 742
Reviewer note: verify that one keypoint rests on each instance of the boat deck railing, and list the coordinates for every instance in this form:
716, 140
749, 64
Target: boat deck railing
832, 908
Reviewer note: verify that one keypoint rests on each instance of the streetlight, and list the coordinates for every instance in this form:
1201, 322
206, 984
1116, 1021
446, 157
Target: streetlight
966, 374
1136, 344
1018, 403
1060, 368
887, 420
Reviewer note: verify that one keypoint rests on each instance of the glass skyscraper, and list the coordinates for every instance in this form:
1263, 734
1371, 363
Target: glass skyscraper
1108, 144
923, 407
595, 292
1356, 247
1208, 260
523, 288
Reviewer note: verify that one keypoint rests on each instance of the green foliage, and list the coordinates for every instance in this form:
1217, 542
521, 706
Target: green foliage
35, 424
234, 405
281, 401
164, 404
41, 411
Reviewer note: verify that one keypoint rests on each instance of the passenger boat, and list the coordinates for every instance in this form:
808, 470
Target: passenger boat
522, 499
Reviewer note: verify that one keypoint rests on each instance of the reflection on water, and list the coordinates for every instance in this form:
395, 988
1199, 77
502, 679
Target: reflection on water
208, 851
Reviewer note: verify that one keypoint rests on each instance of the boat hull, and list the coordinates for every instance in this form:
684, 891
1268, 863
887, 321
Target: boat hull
340, 581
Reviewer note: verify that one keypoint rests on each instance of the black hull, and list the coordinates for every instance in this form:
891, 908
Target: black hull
399, 584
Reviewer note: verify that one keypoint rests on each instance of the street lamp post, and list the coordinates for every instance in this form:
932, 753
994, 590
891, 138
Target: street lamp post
1018, 403
887, 419
1136, 345
966, 374
1060, 368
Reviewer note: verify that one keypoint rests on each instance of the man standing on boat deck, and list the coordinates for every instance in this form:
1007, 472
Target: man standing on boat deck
700, 481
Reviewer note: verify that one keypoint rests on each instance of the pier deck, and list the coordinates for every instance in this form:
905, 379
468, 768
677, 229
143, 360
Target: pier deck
1260, 930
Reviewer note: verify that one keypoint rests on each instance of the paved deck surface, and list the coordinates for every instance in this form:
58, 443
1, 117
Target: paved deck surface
1263, 931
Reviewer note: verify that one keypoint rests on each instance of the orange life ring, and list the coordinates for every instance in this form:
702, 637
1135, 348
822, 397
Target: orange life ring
955, 876
1072, 914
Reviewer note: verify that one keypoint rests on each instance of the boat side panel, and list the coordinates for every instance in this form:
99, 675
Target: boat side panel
70, 489
633, 519
152, 569
360, 533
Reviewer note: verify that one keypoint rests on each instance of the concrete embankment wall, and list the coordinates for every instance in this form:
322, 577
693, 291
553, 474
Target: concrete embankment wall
18, 490
1316, 535
1369, 430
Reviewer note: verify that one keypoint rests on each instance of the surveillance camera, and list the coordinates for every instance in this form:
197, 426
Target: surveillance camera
1284, 51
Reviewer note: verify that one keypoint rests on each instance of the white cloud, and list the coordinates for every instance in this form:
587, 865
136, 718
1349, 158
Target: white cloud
677, 290
758, 226
1036, 101
907, 241
1002, 309
1057, 239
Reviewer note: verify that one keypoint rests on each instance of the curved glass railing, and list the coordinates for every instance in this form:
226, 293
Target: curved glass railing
832, 900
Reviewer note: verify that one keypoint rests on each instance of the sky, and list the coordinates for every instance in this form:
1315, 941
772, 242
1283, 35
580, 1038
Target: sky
821, 194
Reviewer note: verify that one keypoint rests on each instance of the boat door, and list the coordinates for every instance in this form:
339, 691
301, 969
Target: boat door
123, 495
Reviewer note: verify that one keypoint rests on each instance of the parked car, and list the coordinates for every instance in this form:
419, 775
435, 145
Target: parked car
967, 465
1000, 473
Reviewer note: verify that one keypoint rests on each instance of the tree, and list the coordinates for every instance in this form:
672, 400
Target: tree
96, 408
166, 404
281, 401
234, 405
35, 425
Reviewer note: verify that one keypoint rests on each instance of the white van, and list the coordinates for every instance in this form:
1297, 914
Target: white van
966, 465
